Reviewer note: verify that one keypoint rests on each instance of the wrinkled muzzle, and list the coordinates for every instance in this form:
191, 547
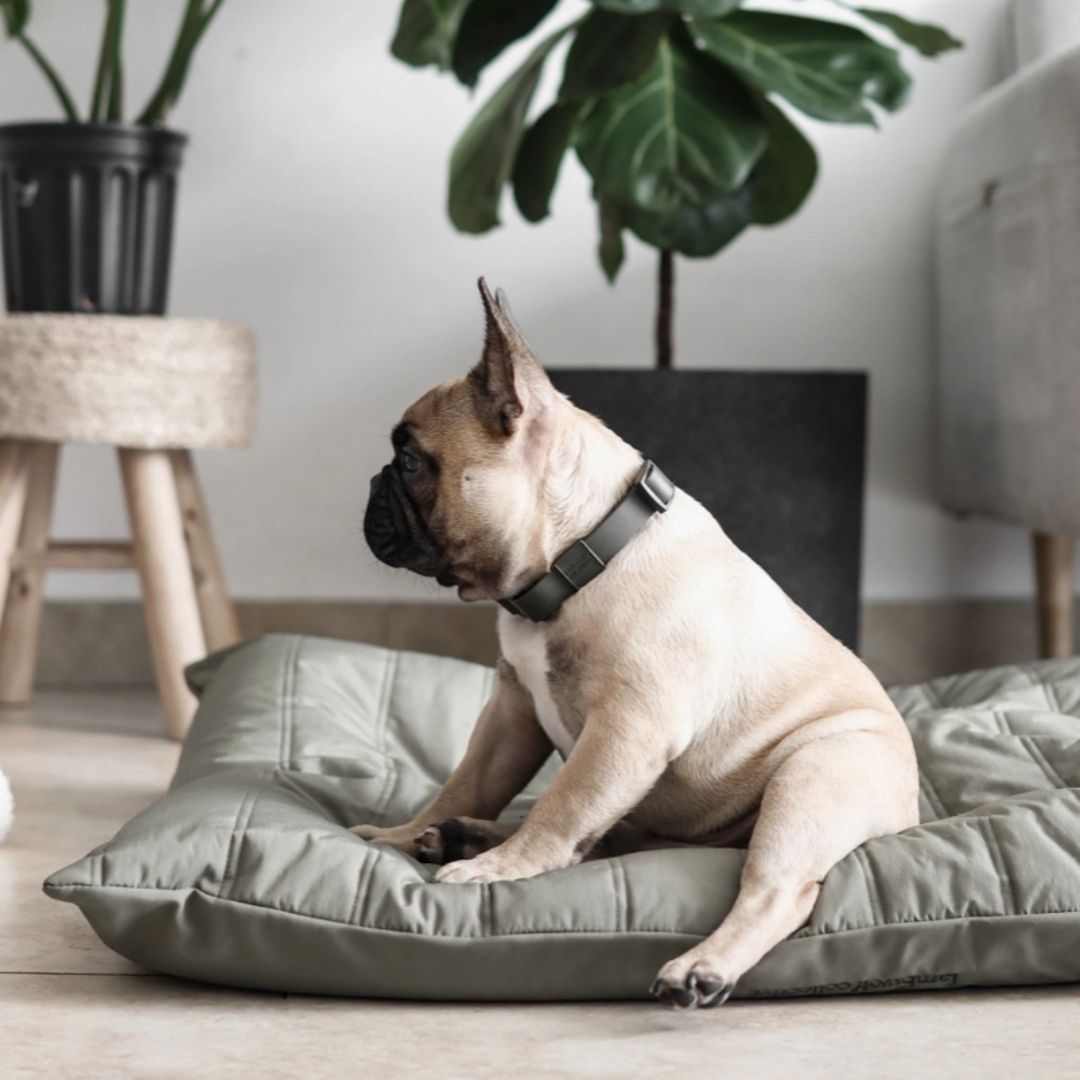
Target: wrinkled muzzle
394, 530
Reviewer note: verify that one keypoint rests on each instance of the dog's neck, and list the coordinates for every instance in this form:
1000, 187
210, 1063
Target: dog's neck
589, 470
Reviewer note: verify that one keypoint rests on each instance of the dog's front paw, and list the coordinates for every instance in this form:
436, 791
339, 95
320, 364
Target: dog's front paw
490, 866
460, 838
688, 984
402, 838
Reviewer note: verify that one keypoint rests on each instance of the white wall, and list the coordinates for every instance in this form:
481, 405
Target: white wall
312, 207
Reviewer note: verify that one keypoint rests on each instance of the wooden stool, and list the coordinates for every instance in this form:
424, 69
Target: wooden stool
154, 388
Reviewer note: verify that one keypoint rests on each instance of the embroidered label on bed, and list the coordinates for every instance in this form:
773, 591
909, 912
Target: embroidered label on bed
865, 986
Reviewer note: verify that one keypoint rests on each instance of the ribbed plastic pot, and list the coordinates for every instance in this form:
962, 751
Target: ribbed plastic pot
86, 216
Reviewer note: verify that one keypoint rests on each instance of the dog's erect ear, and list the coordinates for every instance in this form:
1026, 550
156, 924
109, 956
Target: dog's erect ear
509, 379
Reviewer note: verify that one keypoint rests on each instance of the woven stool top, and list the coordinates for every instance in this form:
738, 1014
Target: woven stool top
140, 381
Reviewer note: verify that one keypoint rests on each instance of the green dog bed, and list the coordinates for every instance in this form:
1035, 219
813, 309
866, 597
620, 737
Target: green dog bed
245, 872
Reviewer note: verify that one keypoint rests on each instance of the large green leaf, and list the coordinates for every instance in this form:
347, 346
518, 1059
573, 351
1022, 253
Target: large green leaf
426, 31
15, 14
608, 51
704, 8
487, 27
928, 39
784, 175
611, 250
775, 190
484, 154
697, 231
536, 166
684, 134
824, 68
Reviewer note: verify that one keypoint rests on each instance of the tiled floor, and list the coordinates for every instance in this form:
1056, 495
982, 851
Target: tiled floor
82, 764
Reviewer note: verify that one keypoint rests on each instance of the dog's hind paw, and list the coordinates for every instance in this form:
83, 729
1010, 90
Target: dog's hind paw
698, 989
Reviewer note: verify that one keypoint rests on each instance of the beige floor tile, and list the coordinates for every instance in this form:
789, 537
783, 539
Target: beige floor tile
101, 711
91, 1026
73, 789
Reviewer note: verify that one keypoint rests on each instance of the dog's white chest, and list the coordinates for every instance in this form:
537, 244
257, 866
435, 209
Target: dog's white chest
524, 645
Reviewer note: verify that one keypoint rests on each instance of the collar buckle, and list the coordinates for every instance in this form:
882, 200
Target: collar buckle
657, 489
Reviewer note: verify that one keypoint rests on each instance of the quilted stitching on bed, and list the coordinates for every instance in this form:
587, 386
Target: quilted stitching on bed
245, 872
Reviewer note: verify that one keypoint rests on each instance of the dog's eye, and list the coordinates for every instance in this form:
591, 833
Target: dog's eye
409, 463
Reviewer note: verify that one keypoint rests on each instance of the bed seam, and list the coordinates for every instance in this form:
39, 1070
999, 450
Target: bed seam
290, 702
933, 797
616, 889
798, 936
283, 710
871, 886
1040, 759
386, 694
249, 796
361, 882
997, 860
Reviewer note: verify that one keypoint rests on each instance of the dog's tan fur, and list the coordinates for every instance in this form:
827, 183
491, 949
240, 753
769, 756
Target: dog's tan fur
684, 689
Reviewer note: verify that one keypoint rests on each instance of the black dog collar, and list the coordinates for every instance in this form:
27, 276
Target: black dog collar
581, 562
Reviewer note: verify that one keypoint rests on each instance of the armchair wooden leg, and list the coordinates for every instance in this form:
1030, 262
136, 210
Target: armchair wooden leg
215, 607
172, 613
22, 609
1056, 585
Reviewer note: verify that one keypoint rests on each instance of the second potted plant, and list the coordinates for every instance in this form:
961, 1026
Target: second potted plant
680, 113
87, 203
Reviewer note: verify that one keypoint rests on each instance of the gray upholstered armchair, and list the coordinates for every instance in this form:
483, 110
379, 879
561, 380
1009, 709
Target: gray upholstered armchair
1008, 232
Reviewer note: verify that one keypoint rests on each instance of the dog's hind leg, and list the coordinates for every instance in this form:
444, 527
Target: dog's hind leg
827, 797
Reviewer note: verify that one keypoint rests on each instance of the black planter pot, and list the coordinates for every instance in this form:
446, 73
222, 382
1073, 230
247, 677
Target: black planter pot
86, 216
778, 457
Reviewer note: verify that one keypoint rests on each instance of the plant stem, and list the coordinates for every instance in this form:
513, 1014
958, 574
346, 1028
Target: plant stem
159, 102
211, 11
665, 309
107, 102
101, 74
98, 96
192, 27
50, 73
116, 62
116, 92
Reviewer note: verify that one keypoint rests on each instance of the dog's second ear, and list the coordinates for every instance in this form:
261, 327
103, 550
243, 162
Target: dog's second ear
510, 381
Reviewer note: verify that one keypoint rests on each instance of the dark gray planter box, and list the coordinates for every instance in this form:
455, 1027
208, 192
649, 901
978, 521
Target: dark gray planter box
777, 456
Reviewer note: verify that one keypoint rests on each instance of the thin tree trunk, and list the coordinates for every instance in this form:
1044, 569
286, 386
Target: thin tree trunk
665, 309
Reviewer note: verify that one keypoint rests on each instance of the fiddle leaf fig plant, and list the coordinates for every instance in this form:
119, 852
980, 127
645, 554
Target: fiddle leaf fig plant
682, 112
107, 96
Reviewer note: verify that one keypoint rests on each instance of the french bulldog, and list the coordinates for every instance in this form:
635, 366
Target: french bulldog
691, 700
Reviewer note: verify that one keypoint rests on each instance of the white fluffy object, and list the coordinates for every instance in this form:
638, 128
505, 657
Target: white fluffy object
7, 807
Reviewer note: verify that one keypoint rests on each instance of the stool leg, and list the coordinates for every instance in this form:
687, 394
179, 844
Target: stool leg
172, 614
215, 607
1055, 581
13, 469
22, 610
